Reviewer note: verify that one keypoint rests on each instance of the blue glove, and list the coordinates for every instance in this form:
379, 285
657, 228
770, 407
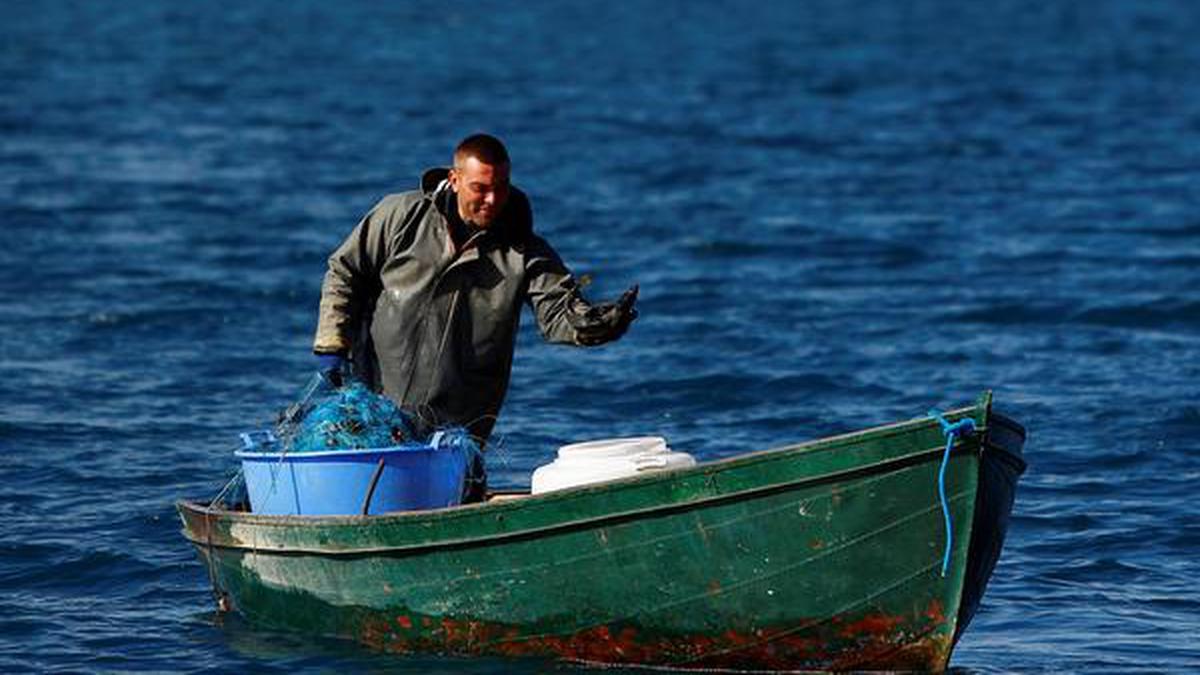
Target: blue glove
330, 366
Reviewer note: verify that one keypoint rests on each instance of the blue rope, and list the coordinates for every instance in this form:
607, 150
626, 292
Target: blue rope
965, 425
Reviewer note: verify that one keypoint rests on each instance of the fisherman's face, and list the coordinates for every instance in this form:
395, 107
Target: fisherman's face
482, 190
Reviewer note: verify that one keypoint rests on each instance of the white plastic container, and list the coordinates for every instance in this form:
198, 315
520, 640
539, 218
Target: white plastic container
605, 460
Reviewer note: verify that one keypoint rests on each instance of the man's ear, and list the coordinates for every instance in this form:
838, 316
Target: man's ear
453, 178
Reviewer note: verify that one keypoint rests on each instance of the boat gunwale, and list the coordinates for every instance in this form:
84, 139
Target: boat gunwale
210, 516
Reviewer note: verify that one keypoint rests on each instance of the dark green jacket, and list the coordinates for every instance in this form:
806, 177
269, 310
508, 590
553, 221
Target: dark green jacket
432, 327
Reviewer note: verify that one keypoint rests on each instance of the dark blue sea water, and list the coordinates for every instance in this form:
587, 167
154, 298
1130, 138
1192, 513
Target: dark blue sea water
840, 214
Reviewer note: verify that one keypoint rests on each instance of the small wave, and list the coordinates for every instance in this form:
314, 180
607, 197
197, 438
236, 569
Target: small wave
1188, 232
803, 142
1161, 313
1010, 313
1105, 569
1183, 419
733, 248
1184, 537
18, 218
62, 568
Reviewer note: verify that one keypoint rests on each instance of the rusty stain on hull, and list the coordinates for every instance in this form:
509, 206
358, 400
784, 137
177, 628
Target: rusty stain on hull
839, 643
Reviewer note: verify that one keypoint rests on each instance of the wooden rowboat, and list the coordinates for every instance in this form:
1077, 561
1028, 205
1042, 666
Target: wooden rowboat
823, 555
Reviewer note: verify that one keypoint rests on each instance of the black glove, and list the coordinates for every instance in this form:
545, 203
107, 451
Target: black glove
606, 321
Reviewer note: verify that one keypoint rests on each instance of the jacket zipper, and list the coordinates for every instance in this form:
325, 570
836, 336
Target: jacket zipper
455, 260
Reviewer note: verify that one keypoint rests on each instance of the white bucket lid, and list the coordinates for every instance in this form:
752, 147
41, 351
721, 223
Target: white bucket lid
614, 447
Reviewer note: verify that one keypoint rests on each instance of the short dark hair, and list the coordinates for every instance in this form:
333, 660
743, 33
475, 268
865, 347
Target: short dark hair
484, 147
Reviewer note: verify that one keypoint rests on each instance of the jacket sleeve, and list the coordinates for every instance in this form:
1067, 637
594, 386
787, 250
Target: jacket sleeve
552, 292
352, 281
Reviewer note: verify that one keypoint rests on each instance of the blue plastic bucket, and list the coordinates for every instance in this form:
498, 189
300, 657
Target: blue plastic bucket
336, 482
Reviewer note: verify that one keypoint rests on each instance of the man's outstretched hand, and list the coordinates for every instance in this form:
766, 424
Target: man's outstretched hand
606, 321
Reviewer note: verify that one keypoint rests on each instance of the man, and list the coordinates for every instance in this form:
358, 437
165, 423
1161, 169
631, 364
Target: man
425, 294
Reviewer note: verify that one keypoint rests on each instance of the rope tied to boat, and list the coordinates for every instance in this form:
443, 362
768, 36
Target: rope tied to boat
951, 430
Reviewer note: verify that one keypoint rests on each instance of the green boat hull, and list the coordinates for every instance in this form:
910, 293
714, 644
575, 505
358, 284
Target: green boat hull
825, 555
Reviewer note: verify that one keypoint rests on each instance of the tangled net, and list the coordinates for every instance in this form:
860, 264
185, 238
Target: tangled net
350, 418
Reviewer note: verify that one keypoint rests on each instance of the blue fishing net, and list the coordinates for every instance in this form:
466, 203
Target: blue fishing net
354, 418
349, 418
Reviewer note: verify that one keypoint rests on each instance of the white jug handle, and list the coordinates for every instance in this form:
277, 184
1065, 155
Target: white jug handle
651, 462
